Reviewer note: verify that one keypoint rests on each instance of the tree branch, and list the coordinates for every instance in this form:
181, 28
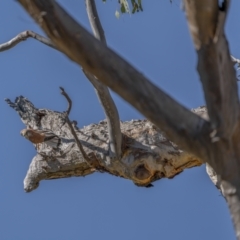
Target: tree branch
72, 129
95, 22
147, 154
22, 37
206, 19
68, 100
220, 86
112, 117
120, 76
104, 96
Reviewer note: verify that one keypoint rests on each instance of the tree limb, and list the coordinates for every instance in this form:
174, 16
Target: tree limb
147, 154
206, 21
120, 76
115, 141
110, 109
22, 37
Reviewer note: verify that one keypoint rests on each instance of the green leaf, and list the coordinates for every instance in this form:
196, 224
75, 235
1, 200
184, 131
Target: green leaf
140, 5
123, 10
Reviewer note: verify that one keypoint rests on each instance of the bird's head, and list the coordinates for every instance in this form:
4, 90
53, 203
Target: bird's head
25, 133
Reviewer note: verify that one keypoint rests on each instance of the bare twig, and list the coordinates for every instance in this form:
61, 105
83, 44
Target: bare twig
110, 109
220, 87
112, 117
206, 19
23, 36
68, 99
88, 161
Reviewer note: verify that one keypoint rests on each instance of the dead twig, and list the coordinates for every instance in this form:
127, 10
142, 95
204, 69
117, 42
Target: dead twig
22, 37
88, 161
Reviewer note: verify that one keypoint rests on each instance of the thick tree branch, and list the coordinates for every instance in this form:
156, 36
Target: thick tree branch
120, 76
147, 154
110, 109
68, 100
22, 37
112, 116
206, 21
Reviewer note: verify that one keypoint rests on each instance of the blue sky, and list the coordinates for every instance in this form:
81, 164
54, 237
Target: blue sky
100, 206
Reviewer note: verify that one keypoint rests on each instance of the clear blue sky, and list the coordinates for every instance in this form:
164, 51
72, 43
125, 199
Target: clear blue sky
99, 206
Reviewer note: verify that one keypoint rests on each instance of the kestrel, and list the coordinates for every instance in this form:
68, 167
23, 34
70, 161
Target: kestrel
41, 136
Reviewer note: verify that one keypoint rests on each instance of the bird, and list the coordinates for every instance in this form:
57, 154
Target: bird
37, 136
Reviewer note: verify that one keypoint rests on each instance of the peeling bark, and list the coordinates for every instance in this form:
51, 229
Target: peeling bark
206, 20
147, 154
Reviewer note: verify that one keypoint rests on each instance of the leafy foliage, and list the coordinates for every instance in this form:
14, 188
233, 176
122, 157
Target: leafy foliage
136, 6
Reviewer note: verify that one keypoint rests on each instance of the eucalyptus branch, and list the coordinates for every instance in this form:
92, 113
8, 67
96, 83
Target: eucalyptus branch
104, 96
94, 20
206, 20
22, 37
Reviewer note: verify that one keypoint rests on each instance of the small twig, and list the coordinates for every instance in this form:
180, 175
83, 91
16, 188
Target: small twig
23, 36
68, 99
87, 159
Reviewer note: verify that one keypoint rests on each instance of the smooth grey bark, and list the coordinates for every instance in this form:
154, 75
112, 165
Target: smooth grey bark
71, 128
104, 96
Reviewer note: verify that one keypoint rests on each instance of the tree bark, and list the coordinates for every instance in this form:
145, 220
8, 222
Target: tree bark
206, 21
147, 154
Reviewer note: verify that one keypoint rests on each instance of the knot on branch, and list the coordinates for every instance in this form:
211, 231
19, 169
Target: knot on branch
142, 173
